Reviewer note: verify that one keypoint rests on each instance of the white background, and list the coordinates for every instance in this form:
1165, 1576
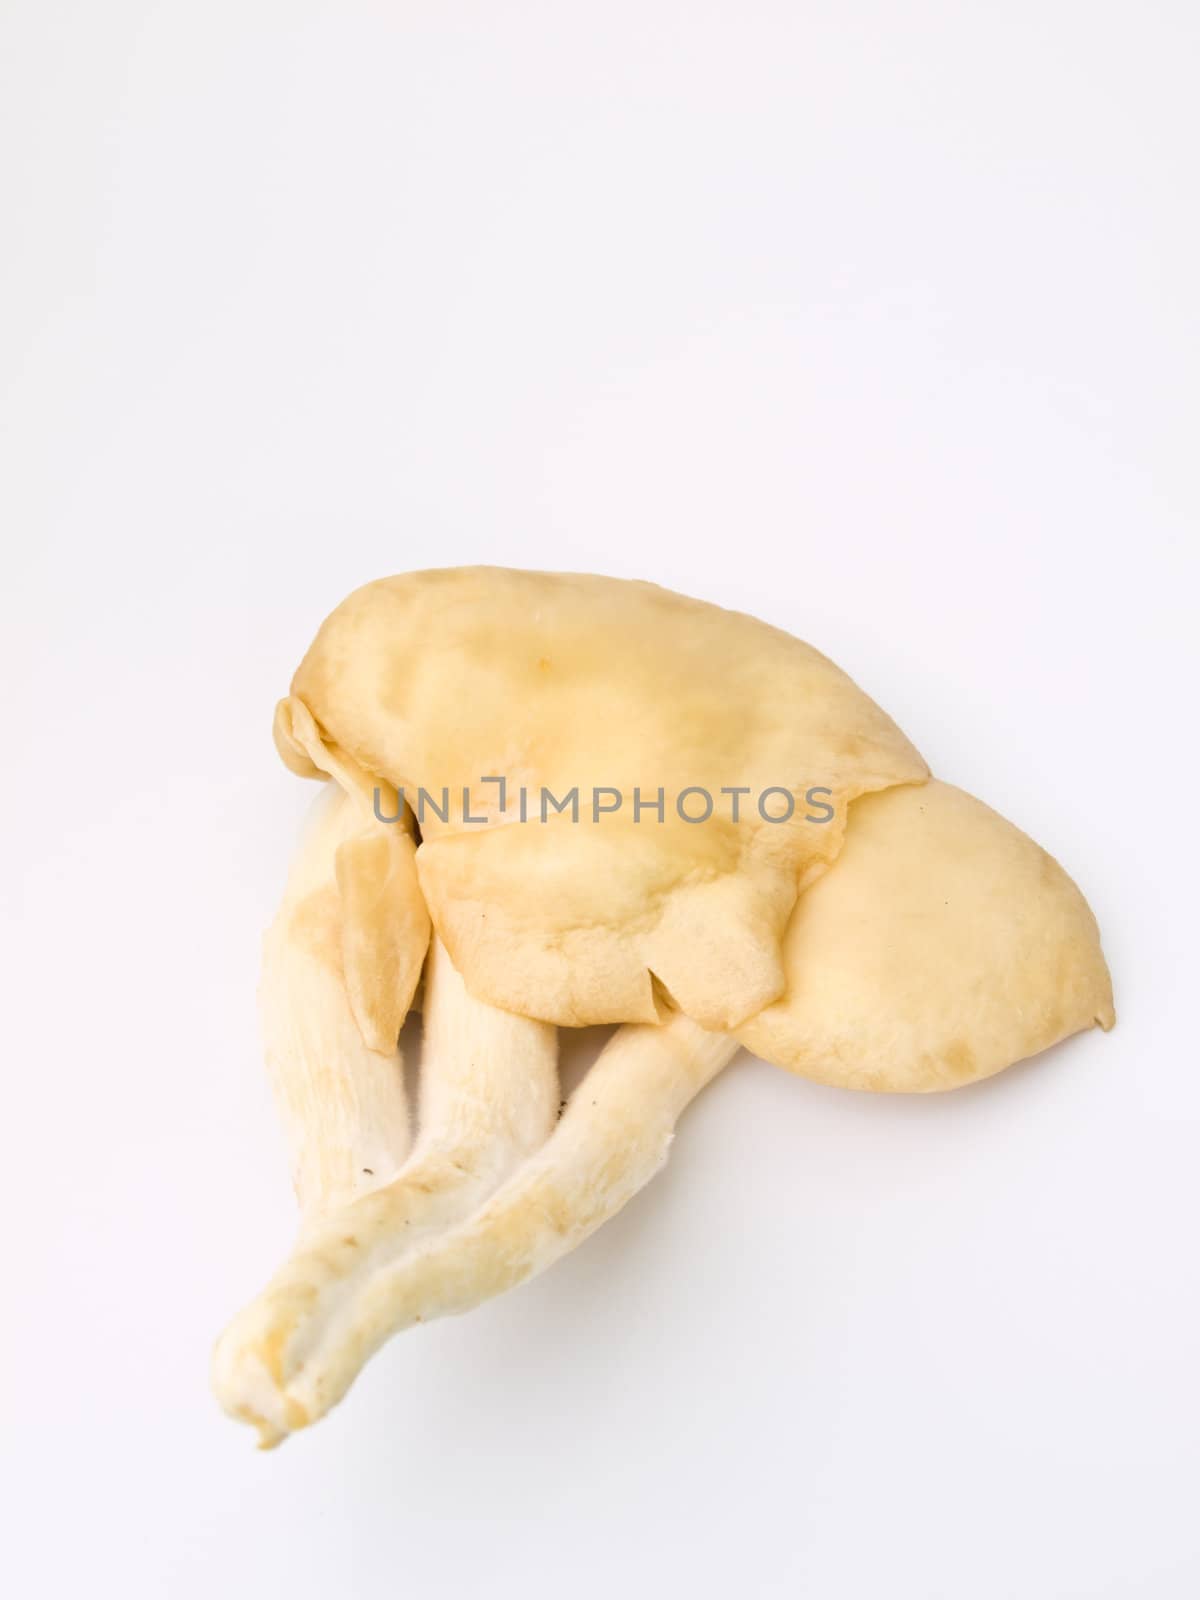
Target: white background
877, 320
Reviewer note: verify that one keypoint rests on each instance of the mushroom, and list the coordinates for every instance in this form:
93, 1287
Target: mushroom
573, 800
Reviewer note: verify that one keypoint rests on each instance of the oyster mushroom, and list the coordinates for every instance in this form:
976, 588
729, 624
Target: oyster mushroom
738, 847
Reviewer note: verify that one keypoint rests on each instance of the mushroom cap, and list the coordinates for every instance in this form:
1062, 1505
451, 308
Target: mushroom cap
943, 946
438, 680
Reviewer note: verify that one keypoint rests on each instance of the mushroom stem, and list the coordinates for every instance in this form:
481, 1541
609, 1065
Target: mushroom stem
342, 1105
489, 1099
612, 1139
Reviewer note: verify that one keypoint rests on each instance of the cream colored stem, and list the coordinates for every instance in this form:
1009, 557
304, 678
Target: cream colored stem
489, 1098
342, 1105
612, 1139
